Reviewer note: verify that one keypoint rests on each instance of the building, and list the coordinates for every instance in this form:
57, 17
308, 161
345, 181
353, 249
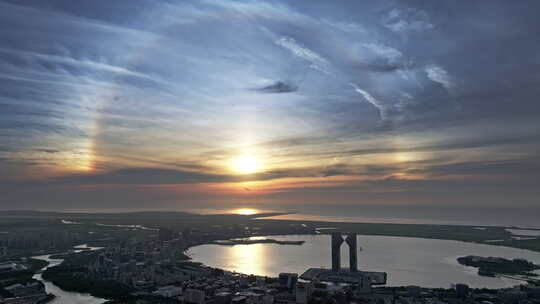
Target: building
194, 296
362, 279
3, 251
288, 280
169, 291
303, 292
337, 240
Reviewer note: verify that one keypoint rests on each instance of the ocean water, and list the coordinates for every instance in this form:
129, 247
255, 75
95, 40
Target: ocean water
523, 217
408, 261
482, 215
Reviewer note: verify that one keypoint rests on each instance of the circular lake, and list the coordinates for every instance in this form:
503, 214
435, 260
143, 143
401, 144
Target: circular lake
408, 261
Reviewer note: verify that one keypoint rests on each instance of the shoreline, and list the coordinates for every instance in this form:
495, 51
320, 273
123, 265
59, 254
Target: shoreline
479, 234
455, 260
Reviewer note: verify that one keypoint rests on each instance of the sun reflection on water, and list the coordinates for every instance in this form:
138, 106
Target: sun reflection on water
248, 259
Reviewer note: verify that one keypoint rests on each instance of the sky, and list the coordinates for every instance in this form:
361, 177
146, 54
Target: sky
181, 104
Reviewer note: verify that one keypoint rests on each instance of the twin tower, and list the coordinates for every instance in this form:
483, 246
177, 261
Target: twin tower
337, 240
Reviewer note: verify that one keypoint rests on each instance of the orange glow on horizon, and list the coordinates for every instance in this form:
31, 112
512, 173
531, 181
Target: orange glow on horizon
245, 211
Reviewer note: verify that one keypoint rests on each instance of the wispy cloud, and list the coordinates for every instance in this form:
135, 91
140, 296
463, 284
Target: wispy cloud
407, 20
40, 58
372, 100
317, 62
392, 55
438, 74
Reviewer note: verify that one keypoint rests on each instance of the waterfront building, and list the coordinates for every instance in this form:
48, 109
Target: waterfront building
362, 279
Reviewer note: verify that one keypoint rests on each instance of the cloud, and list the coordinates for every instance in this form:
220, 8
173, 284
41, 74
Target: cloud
50, 151
140, 176
373, 101
278, 87
48, 60
80, 81
348, 27
317, 62
438, 74
527, 167
390, 54
377, 57
450, 145
407, 20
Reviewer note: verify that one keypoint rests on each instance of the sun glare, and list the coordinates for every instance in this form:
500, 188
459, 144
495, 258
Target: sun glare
246, 164
245, 211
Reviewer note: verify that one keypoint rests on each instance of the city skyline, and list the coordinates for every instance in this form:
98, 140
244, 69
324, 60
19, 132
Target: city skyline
171, 105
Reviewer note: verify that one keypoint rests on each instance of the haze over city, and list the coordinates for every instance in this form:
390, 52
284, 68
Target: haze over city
152, 105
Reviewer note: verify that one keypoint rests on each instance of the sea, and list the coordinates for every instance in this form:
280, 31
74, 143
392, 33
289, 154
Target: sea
520, 217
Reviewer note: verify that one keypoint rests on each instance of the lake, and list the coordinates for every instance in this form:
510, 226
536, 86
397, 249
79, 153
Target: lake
408, 261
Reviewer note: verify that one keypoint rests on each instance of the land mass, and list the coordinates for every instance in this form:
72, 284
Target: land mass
37, 233
493, 266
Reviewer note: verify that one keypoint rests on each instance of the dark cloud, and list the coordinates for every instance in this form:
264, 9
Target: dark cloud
528, 168
141, 176
381, 67
278, 87
50, 151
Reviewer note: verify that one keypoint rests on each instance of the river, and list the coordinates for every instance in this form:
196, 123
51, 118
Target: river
408, 261
65, 297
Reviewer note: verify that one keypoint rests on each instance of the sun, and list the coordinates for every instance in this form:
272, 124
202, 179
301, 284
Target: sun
246, 164
245, 211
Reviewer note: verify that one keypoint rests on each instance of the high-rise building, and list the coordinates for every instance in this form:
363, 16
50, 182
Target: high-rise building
337, 240
353, 252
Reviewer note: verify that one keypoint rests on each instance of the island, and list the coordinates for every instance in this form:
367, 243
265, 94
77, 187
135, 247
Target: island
493, 266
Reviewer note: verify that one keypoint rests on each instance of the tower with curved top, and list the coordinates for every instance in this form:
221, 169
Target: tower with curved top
337, 240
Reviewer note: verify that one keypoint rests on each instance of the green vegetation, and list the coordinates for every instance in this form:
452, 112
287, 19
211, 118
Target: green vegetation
72, 275
22, 276
35, 265
495, 266
73, 278
77, 259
